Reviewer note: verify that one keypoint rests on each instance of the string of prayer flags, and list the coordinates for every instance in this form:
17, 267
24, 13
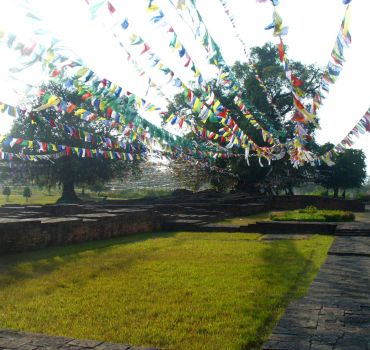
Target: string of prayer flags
135, 151
198, 100
335, 64
359, 129
301, 116
251, 66
10, 156
227, 78
10, 110
232, 84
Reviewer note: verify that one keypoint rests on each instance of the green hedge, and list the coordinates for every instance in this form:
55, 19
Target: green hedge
313, 214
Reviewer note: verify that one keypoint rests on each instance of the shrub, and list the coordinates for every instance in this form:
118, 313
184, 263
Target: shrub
6, 192
27, 193
313, 214
308, 209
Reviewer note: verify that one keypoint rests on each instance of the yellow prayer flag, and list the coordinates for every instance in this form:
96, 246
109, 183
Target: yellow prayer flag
346, 20
80, 111
81, 72
169, 119
153, 8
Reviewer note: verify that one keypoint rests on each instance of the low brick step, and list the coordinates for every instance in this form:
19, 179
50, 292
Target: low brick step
217, 228
363, 233
301, 227
10, 339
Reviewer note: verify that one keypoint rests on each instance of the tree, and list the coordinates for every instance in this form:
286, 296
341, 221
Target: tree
60, 127
192, 175
7, 192
27, 193
349, 171
98, 187
265, 60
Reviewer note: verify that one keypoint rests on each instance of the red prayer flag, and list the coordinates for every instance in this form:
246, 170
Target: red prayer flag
71, 107
296, 81
281, 50
187, 62
146, 48
111, 8
55, 73
298, 117
86, 96
298, 103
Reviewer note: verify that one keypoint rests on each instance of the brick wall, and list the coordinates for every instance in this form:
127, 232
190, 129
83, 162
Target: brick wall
33, 234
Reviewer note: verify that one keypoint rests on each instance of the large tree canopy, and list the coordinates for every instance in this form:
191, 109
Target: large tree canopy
56, 126
274, 117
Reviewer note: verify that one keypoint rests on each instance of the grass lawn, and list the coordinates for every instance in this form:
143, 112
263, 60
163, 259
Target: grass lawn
245, 220
38, 197
311, 213
170, 290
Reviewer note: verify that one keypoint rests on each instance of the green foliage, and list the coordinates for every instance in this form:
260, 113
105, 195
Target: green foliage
27, 193
68, 170
348, 172
190, 174
38, 196
167, 290
311, 213
280, 175
364, 196
6, 192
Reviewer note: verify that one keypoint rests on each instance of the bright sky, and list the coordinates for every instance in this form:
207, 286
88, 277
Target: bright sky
313, 27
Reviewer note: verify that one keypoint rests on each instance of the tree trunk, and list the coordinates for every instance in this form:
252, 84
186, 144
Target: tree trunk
68, 193
344, 194
290, 191
336, 190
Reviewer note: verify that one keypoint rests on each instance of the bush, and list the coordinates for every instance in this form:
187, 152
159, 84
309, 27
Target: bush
27, 193
313, 214
364, 197
7, 192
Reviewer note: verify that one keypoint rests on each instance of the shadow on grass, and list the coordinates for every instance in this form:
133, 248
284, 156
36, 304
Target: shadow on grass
294, 277
45, 261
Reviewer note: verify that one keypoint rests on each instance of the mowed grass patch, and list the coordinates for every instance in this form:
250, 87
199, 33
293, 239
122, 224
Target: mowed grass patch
169, 290
245, 220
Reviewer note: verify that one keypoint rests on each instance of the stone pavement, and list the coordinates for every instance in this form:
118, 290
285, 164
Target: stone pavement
335, 314
30, 341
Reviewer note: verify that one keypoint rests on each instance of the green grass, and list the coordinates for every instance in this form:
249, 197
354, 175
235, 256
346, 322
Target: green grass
41, 196
245, 220
313, 214
170, 290
38, 197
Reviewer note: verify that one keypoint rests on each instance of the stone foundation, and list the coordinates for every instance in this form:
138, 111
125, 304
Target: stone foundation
37, 233
10, 339
25, 228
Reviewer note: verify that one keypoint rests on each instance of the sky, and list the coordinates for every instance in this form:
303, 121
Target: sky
313, 27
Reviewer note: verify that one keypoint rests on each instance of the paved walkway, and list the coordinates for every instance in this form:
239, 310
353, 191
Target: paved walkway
335, 314
10, 340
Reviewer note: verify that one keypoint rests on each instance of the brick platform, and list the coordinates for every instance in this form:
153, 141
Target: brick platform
31, 341
335, 314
